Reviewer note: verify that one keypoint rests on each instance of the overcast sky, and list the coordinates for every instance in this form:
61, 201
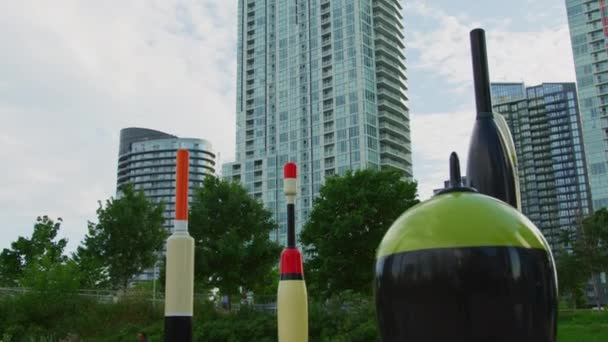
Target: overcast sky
73, 73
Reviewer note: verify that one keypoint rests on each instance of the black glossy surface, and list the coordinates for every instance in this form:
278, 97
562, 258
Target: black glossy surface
291, 226
455, 178
479, 294
178, 329
481, 73
489, 170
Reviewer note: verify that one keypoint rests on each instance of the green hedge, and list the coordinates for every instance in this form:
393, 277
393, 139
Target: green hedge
40, 317
51, 317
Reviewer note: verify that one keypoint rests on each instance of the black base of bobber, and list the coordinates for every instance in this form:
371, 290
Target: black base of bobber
178, 328
476, 294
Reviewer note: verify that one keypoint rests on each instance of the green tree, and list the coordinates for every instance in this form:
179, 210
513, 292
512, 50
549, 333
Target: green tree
347, 222
124, 242
232, 238
591, 246
24, 252
92, 270
571, 277
49, 277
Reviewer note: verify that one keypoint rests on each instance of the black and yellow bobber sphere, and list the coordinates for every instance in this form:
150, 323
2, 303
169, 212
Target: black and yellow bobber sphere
465, 267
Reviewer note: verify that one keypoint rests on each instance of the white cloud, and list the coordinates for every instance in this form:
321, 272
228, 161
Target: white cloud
434, 137
531, 56
73, 74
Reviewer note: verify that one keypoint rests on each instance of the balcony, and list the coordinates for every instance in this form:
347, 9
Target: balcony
389, 162
397, 97
394, 128
390, 40
387, 83
600, 68
394, 59
400, 109
600, 57
394, 153
325, 21
397, 141
385, 15
388, 29
385, 69
591, 7
603, 90
596, 37
593, 16
388, 8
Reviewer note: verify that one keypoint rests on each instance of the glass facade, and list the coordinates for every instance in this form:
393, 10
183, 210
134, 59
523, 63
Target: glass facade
588, 20
505, 92
146, 159
320, 83
546, 129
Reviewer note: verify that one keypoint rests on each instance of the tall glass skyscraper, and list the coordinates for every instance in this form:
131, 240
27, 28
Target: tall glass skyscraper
545, 124
588, 20
320, 83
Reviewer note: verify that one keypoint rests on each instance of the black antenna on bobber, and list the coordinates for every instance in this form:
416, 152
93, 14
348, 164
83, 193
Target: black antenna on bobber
491, 167
456, 183
481, 73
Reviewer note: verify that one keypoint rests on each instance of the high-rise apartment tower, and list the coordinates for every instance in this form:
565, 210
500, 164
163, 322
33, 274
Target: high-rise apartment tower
545, 123
323, 84
588, 21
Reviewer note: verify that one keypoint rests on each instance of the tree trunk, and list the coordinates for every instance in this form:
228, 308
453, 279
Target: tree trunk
124, 287
596, 289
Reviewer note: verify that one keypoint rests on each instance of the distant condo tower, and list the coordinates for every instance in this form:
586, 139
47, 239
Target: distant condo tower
545, 123
588, 20
323, 84
146, 158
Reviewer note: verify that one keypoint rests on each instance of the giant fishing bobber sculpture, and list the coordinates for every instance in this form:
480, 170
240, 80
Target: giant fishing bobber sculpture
465, 266
179, 280
292, 300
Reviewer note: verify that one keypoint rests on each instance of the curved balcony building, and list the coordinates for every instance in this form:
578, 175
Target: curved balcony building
146, 158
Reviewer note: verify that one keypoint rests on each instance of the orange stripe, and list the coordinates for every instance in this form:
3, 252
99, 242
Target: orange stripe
181, 185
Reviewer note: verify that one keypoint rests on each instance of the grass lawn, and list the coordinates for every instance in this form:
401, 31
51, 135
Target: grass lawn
582, 326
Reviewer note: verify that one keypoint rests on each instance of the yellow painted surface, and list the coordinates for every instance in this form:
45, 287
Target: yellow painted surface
292, 311
179, 283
